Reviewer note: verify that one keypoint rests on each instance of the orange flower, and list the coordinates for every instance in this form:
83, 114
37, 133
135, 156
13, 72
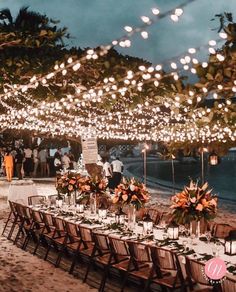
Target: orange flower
134, 198
125, 197
199, 207
115, 200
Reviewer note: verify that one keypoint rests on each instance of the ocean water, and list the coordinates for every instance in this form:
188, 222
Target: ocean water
221, 178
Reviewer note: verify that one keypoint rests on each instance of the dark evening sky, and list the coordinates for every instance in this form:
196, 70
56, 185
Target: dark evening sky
95, 22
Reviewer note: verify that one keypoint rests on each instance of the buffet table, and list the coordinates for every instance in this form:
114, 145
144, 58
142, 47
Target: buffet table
20, 190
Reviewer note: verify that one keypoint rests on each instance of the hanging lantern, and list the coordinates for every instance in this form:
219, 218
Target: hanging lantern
213, 159
173, 231
120, 216
147, 224
230, 243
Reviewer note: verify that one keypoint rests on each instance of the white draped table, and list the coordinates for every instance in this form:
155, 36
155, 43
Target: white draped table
20, 190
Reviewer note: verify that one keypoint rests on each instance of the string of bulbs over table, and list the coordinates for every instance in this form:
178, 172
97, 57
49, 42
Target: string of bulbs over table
170, 117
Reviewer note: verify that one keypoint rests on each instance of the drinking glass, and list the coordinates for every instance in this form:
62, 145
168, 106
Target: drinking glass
208, 236
218, 248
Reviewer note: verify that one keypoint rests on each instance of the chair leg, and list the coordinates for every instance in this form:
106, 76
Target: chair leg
59, 258
11, 231
17, 235
73, 264
88, 269
103, 282
5, 226
48, 249
37, 245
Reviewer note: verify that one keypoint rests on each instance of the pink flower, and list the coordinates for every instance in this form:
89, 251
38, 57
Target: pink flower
193, 200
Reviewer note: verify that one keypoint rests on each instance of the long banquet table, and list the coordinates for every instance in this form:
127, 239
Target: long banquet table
197, 249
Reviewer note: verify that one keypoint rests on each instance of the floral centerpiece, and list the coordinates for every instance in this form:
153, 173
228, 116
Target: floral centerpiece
68, 183
131, 192
91, 185
194, 203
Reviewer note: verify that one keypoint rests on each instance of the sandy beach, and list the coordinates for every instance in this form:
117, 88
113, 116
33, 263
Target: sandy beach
16, 265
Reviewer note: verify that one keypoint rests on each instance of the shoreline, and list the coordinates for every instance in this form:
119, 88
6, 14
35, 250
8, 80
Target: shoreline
165, 188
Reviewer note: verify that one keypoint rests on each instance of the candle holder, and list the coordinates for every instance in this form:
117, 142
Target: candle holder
173, 231
230, 243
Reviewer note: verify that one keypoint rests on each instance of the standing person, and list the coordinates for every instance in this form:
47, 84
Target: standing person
65, 161
35, 160
48, 162
19, 162
72, 160
8, 162
117, 168
57, 162
43, 162
107, 171
28, 164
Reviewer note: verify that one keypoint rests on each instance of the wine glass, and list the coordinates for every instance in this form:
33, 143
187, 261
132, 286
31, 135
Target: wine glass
218, 248
187, 232
208, 236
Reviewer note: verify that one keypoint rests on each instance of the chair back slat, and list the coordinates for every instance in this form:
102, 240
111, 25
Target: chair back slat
139, 252
194, 270
101, 241
35, 200
119, 246
154, 215
222, 230
85, 234
53, 198
59, 224
47, 219
27, 212
71, 229
37, 216
165, 258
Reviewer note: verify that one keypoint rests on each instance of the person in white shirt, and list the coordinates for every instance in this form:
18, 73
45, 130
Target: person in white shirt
43, 155
65, 161
28, 162
117, 167
107, 169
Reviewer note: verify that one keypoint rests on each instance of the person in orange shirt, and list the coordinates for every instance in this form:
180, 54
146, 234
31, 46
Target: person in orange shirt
8, 162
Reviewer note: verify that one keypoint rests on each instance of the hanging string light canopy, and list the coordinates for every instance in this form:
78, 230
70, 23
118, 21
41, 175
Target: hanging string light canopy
137, 101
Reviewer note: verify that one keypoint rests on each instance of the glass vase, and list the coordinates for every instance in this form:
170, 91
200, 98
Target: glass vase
131, 217
195, 228
93, 204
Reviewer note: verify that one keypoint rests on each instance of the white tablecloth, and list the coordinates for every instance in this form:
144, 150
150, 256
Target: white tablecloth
20, 190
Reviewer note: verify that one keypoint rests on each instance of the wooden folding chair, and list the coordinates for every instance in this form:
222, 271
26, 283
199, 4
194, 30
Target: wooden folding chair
194, 270
36, 200
102, 255
141, 265
121, 256
221, 230
168, 269
12, 219
154, 214
59, 237
48, 232
24, 222
73, 243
